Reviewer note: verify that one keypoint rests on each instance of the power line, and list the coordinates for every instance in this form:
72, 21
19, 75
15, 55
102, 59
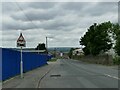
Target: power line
26, 15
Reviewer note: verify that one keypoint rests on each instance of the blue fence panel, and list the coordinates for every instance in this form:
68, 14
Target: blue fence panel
49, 57
0, 64
33, 60
11, 62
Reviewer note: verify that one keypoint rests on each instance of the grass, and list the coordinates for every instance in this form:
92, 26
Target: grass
116, 60
98, 60
53, 60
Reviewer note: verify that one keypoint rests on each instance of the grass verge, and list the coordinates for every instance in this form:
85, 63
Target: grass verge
53, 60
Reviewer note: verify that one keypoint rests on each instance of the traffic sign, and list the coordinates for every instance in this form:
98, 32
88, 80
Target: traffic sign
21, 41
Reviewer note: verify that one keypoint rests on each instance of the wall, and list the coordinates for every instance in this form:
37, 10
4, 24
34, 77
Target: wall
0, 64
11, 62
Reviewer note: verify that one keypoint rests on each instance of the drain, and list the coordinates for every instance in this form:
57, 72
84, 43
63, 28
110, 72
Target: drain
56, 75
61, 64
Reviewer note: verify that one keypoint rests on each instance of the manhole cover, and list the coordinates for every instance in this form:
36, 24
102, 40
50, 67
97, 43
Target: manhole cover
56, 75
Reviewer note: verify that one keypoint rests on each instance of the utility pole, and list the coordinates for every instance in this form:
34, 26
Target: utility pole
46, 45
47, 42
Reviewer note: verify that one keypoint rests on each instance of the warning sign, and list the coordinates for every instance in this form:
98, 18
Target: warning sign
21, 41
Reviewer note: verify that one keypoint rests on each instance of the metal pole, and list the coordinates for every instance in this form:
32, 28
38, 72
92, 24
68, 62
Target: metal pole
21, 65
47, 47
46, 42
38, 48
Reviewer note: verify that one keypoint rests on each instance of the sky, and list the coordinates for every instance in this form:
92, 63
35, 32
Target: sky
64, 23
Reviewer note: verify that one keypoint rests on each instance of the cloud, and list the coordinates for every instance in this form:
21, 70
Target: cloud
65, 21
101, 8
42, 5
61, 1
9, 7
40, 13
36, 15
11, 24
91, 8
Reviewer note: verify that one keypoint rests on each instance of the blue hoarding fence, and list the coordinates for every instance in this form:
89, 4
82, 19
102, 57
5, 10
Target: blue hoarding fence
11, 62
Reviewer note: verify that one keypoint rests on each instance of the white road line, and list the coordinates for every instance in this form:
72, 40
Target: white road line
112, 76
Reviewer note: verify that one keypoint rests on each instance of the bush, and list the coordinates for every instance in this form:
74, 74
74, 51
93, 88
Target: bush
116, 60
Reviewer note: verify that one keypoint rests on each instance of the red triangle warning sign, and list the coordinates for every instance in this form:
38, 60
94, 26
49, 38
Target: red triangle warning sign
21, 41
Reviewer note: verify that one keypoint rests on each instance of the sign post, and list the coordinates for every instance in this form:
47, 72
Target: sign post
21, 65
21, 43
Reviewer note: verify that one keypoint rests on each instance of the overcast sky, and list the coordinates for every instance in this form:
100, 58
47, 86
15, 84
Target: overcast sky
65, 22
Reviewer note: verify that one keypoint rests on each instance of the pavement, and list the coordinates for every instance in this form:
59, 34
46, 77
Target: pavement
31, 79
66, 73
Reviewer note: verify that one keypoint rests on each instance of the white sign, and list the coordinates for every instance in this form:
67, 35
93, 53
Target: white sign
21, 41
61, 54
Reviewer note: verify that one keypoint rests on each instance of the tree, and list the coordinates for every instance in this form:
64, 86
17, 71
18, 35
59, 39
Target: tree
117, 47
97, 39
116, 30
70, 52
41, 46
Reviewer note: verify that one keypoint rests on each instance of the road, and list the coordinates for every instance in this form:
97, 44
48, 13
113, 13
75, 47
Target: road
66, 74
76, 74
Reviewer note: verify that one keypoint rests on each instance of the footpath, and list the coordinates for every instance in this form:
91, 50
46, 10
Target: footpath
31, 79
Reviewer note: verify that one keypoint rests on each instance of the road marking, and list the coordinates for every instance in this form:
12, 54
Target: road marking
112, 76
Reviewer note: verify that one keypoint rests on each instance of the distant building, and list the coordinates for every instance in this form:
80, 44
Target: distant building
35, 51
61, 54
78, 52
111, 52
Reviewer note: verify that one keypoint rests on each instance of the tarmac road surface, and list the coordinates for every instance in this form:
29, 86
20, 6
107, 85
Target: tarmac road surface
76, 74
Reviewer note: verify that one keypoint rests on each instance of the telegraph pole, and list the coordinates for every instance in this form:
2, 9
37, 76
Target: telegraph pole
46, 43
